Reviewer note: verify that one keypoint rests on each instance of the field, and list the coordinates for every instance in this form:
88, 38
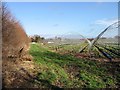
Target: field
102, 49
62, 68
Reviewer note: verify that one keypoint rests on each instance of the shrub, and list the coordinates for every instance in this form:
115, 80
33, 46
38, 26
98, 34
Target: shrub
15, 41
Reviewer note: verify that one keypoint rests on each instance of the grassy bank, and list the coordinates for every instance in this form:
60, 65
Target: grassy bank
69, 71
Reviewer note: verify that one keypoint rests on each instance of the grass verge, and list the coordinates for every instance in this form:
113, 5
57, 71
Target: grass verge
69, 71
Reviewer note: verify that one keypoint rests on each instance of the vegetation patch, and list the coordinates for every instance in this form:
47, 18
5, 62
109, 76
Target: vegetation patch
69, 71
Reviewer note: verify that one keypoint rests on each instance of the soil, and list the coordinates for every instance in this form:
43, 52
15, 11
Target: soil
18, 72
86, 56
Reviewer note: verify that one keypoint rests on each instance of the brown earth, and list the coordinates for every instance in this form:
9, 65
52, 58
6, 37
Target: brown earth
86, 56
18, 72
22, 73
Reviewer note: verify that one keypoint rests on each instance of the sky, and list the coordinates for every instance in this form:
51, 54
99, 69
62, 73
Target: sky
50, 19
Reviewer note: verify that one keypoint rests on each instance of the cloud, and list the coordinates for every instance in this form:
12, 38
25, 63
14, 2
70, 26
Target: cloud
106, 22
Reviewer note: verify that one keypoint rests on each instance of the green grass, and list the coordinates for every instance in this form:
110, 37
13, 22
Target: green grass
69, 71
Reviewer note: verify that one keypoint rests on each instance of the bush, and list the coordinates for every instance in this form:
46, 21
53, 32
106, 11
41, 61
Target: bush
14, 39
